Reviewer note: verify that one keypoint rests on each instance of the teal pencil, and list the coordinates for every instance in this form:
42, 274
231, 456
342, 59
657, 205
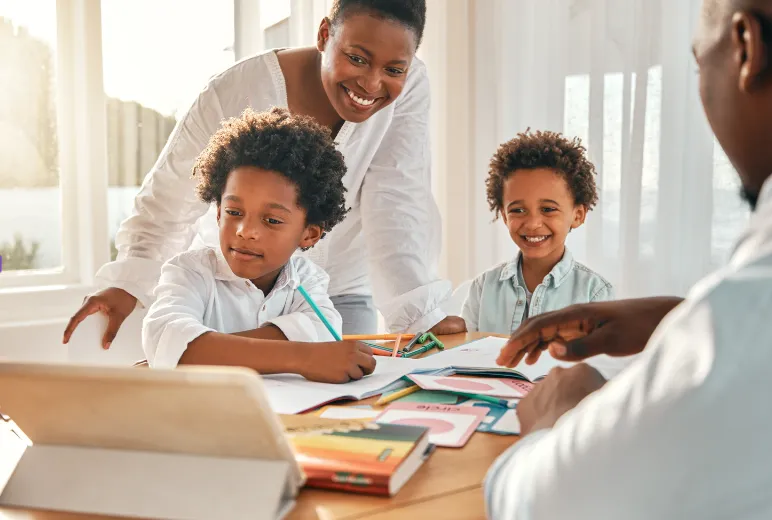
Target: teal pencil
506, 403
424, 348
305, 295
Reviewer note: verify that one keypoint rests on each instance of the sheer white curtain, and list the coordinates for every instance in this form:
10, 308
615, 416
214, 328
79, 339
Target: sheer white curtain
620, 75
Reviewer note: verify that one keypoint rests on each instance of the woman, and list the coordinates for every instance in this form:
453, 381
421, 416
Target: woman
363, 81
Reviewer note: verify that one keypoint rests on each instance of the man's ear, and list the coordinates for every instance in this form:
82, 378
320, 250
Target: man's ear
580, 214
749, 49
323, 35
311, 235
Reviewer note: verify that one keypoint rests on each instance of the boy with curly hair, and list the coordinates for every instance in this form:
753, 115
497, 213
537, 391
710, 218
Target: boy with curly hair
277, 182
542, 186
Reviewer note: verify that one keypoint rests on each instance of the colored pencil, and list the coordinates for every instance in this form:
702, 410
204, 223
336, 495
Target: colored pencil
374, 337
506, 403
319, 314
412, 343
424, 348
396, 345
384, 399
380, 350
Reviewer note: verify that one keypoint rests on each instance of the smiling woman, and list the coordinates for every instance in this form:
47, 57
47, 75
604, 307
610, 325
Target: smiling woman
363, 68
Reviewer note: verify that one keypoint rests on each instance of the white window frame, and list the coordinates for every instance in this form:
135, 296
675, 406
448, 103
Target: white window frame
54, 294
81, 131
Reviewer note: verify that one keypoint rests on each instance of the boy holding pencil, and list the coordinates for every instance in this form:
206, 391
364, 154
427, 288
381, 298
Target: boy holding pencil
277, 182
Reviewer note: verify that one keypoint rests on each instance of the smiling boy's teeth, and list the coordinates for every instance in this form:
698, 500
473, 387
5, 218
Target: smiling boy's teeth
359, 100
536, 239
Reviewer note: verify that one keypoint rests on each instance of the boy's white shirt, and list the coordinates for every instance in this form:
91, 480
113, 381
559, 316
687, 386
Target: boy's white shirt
387, 246
199, 293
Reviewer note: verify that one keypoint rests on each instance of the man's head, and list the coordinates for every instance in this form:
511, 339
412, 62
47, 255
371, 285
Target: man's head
277, 182
732, 48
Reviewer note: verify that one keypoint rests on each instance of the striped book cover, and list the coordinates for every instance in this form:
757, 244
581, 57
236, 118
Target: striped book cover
375, 459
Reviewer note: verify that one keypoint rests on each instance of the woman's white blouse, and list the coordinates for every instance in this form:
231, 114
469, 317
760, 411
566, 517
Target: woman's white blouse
389, 243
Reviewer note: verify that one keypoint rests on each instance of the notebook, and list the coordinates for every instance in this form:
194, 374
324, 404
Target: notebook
373, 459
490, 386
449, 425
478, 358
292, 394
502, 421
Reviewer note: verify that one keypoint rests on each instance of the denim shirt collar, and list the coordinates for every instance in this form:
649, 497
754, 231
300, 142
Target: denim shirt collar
555, 277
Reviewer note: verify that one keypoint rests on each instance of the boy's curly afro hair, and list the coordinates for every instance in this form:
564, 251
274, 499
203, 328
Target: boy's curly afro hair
294, 146
531, 150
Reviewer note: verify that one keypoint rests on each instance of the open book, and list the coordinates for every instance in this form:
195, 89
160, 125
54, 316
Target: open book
479, 358
292, 394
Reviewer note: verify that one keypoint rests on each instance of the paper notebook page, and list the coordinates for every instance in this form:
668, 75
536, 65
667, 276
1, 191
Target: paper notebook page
291, 393
479, 354
483, 354
541, 367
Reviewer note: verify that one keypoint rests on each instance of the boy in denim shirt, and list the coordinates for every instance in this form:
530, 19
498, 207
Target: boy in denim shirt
542, 186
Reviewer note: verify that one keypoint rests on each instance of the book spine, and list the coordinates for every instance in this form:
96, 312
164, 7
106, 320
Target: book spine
353, 483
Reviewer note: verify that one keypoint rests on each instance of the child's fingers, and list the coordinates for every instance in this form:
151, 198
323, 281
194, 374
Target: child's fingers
355, 373
366, 362
365, 348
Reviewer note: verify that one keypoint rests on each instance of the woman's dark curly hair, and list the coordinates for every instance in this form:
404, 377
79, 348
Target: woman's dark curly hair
531, 150
410, 13
294, 146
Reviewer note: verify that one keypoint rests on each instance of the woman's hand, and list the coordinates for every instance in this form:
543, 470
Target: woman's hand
115, 303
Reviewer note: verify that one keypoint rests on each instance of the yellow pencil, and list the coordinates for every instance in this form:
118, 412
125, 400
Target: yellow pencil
385, 399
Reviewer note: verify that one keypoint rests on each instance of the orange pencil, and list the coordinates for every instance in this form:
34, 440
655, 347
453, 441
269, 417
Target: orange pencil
374, 337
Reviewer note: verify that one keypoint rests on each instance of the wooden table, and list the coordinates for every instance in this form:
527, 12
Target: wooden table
448, 485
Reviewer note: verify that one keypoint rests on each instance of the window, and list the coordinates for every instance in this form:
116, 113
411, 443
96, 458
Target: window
91, 92
150, 82
274, 18
30, 194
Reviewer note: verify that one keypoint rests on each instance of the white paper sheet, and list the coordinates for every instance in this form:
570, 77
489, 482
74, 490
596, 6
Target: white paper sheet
291, 394
483, 354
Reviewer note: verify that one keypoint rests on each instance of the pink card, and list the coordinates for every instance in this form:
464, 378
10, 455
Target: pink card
449, 425
490, 386
523, 386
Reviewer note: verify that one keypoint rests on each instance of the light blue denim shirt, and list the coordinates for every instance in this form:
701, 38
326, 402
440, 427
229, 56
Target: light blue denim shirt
497, 300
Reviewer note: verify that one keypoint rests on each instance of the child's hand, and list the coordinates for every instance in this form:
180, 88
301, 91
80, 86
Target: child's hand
450, 325
336, 362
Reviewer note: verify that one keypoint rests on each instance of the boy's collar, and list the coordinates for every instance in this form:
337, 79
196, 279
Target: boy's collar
288, 275
558, 274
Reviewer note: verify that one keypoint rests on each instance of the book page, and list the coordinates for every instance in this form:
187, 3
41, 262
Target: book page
483, 354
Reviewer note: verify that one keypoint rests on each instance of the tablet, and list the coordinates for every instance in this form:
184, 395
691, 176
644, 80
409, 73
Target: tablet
207, 411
